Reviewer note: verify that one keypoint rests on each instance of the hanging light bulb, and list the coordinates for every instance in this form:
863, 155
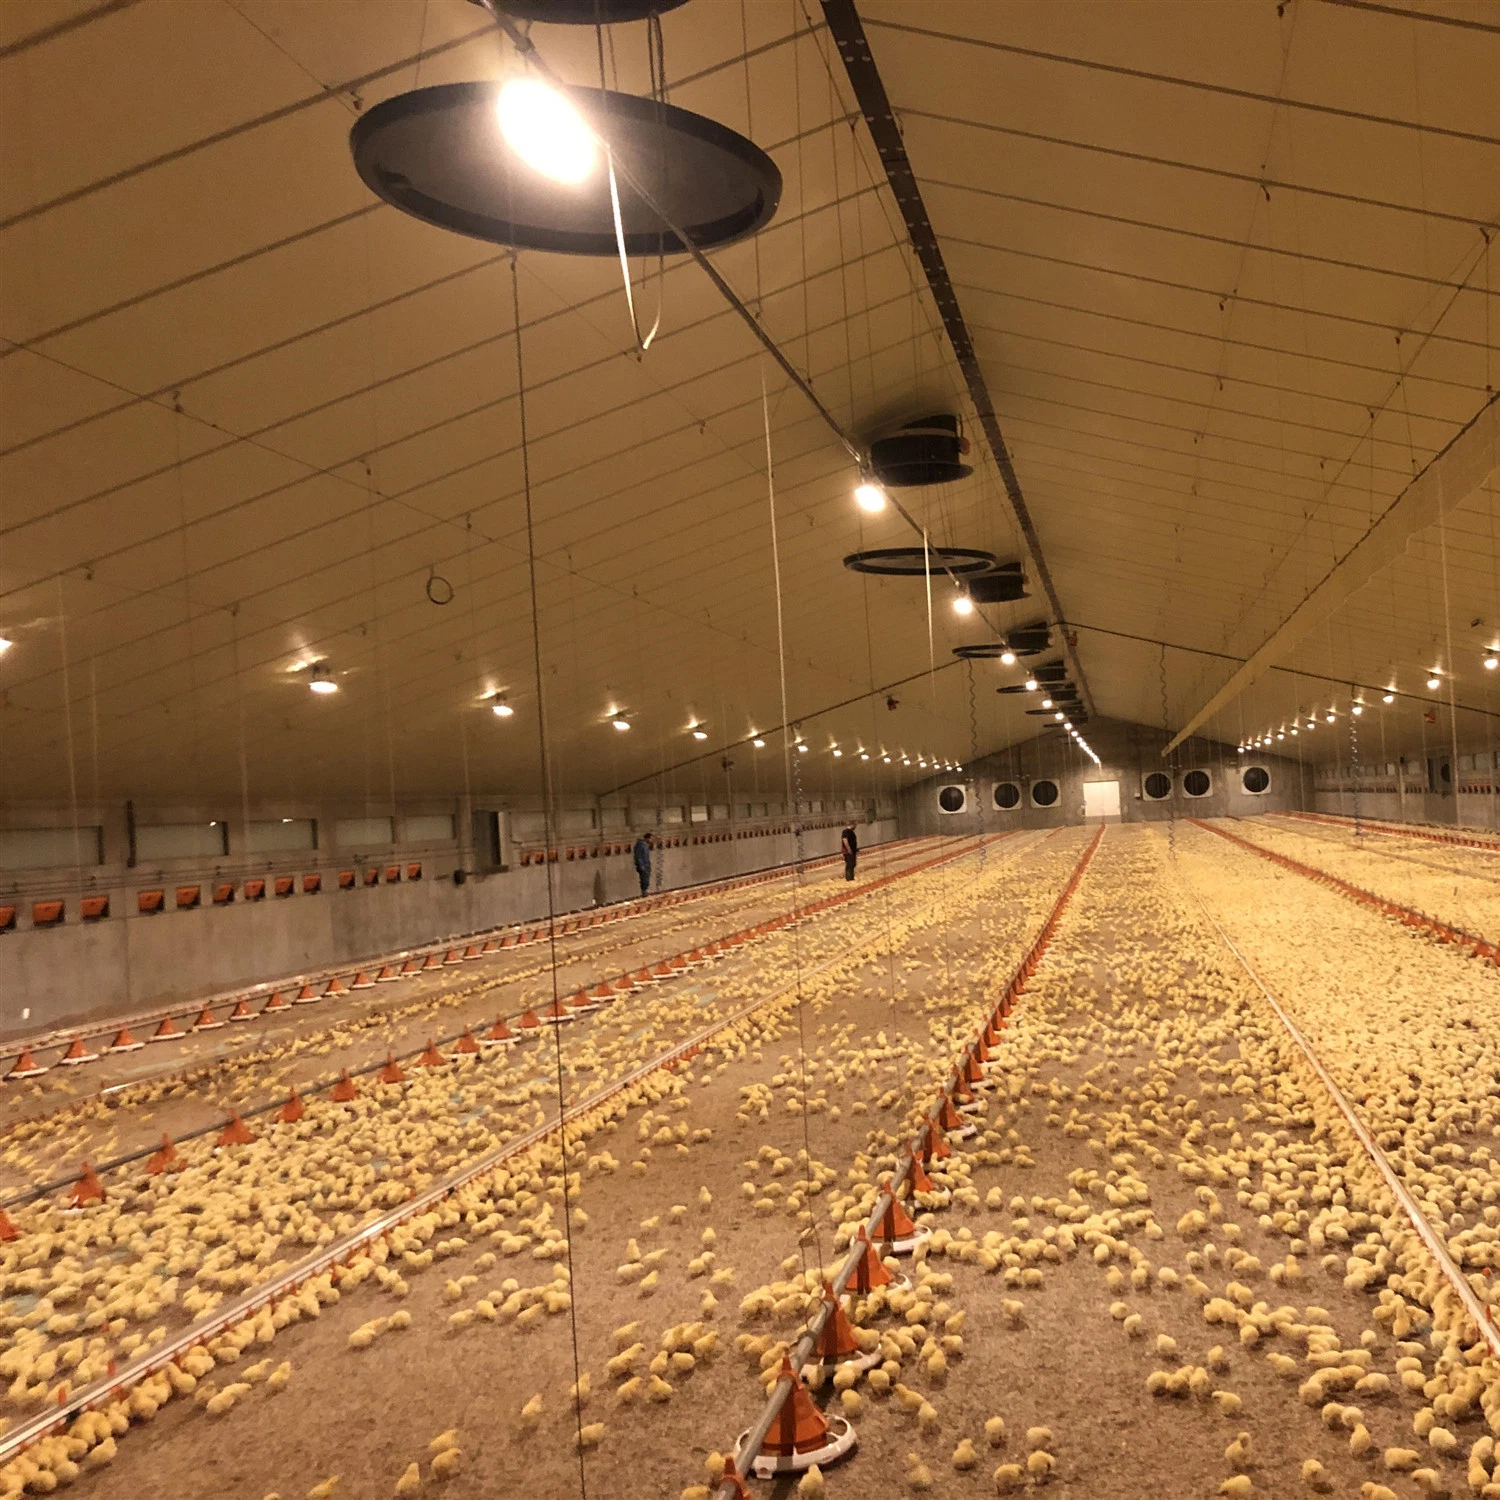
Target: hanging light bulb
838, 754
1058, 716
620, 722
500, 708
801, 748
864, 755
759, 743
1357, 708
1279, 735
1312, 723
1031, 684
5, 645
1387, 697
320, 681
1329, 716
869, 497
699, 732
544, 129
963, 605
1491, 661
1434, 683
1046, 703
1007, 658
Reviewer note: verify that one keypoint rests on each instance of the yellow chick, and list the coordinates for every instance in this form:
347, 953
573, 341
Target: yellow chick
1315, 1477
964, 1456
1228, 1403
1236, 1488
918, 1475
1371, 1491
1009, 1478
410, 1482
445, 1464
443, 1440
323, 1490
1038, 1437
1237, 1454
811, 1486
852, 1402
532, 1411
1040, 1464
589, 1435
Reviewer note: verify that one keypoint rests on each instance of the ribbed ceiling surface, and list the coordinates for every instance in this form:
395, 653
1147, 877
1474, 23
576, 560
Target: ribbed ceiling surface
1226, 273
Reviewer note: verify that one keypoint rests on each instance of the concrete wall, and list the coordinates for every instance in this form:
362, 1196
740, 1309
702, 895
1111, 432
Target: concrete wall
129, 961
1129, 752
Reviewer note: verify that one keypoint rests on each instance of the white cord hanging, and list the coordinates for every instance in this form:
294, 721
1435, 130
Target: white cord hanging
641, 345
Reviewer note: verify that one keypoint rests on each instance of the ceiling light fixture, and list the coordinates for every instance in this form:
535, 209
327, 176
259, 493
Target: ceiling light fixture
1491, 661
1434, 683
544, 129
758, 743
699, 733
801, 748
1058, 716
886, 759
864, 755
1387, 697
1046, 703
5, 645
620, 722
1357, 708
1329, 716
963, 605
1031, 684
1007, 658
499, 707
869, 497
838, 754
320, 681
1279, 735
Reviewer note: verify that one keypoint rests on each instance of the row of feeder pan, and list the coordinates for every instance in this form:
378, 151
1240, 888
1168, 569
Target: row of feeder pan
124, 1039
793, 1434
500, 1034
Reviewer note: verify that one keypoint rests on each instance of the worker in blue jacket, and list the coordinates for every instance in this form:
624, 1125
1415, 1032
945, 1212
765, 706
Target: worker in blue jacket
642, 856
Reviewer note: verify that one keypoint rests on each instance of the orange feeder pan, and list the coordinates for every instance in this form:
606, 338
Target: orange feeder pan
25, 1066
499, 1035
529, 1020
292, 1110
164, 1159
555, 1014
242, 1011
8, 1230
800, 1436
235, 1133
278, 1001
898, 1232
88, 1189
583, 1002
836, 1343
344, 1090
361, 981
387, 975
124, 1042
870, 1271
432, 1058
207, 1021
392, 1071
306, 995
76, 1053
466, 1043
167, 1031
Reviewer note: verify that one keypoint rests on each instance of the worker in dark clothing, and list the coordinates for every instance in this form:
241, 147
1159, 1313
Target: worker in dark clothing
851, 853
642, 854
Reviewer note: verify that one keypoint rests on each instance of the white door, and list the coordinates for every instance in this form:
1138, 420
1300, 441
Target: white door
1101, 799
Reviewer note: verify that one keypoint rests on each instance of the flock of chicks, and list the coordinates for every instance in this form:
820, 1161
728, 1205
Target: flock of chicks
81, 1291
1155, 1149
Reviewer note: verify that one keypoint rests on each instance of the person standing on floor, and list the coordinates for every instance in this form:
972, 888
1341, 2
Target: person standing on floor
851, 852
642, 855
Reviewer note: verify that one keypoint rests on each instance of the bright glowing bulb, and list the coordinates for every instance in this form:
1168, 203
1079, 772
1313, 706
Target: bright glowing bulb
700, 734
1328, 717
5, 645
869, 497
1007, 658
1358, 708
1491, 661
1434, 683
1240, 751
1031, 684
501, 709
1067, 725
323, 685
886, 759
759, 744
542, 127
838, 754
905, 761
1387, 697
620, 722
863, 755
963, 605
1280, 736
1058, 716
1293, 733
802, 749
1046, 703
